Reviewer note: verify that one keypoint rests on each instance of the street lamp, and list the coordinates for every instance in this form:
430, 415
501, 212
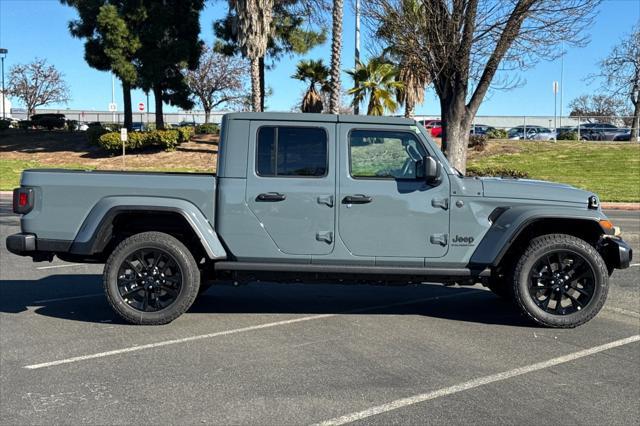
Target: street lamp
3, 54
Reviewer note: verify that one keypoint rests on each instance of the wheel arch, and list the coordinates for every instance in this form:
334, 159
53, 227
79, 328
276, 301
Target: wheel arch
512, 230
123, 214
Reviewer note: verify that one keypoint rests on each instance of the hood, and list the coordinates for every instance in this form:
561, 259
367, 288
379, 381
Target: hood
534, 190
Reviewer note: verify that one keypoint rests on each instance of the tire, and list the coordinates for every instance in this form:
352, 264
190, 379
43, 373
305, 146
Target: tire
565, 270
143, 261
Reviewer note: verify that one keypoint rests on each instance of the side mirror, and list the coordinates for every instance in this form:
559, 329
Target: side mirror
431, 169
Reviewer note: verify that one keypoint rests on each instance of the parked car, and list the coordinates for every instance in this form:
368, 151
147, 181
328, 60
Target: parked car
623, 136
481, 129
518, 132
301, 197
49, 121
138, 127
598, 131
434, 127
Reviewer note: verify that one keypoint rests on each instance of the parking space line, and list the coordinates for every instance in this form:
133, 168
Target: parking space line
238, 330
66, 265
60, 299
480, 381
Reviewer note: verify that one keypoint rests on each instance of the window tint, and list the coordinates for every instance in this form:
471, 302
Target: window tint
291, 151
385, 154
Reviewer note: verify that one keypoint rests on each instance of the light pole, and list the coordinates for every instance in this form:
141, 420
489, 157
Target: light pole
356, 107
3, 54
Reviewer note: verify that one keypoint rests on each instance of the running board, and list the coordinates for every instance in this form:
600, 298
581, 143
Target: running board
349, 269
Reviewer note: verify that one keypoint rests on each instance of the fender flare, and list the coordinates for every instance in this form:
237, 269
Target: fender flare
506, 228
96, 228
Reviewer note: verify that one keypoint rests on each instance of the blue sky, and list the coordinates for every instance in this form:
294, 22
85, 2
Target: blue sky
38, 28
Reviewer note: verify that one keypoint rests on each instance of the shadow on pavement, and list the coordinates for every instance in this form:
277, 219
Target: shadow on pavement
79, 298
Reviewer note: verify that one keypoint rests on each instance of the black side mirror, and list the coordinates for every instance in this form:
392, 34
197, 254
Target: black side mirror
431, 169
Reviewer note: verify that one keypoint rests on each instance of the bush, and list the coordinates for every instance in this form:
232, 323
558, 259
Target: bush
208, 129
185, 133
167, 139
496, 172
477, 142
4, 124
568, 136
110, 141
497, 134
95, 132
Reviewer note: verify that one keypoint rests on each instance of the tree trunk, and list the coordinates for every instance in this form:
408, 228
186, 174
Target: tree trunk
336, 50
207, 115
262, 88
409, 108
455, 134
255, 84
636, 123
126, 97
157, 95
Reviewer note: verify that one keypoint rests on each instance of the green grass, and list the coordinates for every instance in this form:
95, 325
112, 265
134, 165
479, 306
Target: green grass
610, 170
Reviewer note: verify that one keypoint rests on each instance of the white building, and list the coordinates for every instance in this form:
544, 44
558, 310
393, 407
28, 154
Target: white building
7, 105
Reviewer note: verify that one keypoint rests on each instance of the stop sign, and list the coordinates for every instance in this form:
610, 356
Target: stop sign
140, 106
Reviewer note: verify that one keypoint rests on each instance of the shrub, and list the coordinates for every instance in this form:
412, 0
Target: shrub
25, 124
185, 133
496, 171
4, 124
497, 134
568, 136
167, 139
208, 129
110, 141
477, 142
94, 133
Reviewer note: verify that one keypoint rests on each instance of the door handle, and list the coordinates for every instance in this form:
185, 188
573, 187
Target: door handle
271, 196
357, 199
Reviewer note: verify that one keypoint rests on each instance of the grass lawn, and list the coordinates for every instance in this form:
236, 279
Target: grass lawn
610, 170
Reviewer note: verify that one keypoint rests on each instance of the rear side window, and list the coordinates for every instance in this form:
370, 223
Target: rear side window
291, 151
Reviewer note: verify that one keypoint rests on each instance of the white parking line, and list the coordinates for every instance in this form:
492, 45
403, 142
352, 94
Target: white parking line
480, 381
236, 331
66, 265
60, 299
635, 264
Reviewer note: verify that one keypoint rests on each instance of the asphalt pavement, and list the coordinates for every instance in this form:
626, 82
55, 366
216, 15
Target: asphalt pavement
278, 354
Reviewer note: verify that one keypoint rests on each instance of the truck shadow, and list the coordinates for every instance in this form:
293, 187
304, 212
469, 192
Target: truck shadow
79, 298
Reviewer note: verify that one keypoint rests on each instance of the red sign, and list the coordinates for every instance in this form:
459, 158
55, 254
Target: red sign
140, 106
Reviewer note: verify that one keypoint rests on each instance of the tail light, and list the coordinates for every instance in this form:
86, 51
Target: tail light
22, 200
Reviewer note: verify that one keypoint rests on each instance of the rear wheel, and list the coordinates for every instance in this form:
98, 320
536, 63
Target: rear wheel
560, 281
151, 278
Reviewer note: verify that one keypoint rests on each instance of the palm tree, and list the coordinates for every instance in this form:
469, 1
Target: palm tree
336, 48
317, 75
254, 31
414, 79
376, 80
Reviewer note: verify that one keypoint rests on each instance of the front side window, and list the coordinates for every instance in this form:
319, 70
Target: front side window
291, 151
385, 154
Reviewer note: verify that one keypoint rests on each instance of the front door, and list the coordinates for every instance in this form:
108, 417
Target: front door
386, 209
291, 184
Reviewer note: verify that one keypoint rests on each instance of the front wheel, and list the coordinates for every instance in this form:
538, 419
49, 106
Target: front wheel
560, 281
151, 278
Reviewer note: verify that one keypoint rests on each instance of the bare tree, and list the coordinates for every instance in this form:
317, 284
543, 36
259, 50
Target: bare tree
37, 84
621, 71
597, 108
468, 46
218, 80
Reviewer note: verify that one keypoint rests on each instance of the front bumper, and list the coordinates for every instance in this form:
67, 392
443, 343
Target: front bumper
616, 252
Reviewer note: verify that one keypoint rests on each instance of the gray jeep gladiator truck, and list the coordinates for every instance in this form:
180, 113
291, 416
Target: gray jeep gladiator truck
301, 197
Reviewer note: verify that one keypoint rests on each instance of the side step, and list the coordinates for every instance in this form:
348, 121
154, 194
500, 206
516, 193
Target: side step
349, 269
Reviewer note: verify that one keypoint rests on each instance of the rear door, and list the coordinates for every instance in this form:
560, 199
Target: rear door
291, 184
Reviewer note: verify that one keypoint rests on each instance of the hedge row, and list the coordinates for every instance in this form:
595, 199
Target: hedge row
166, 139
